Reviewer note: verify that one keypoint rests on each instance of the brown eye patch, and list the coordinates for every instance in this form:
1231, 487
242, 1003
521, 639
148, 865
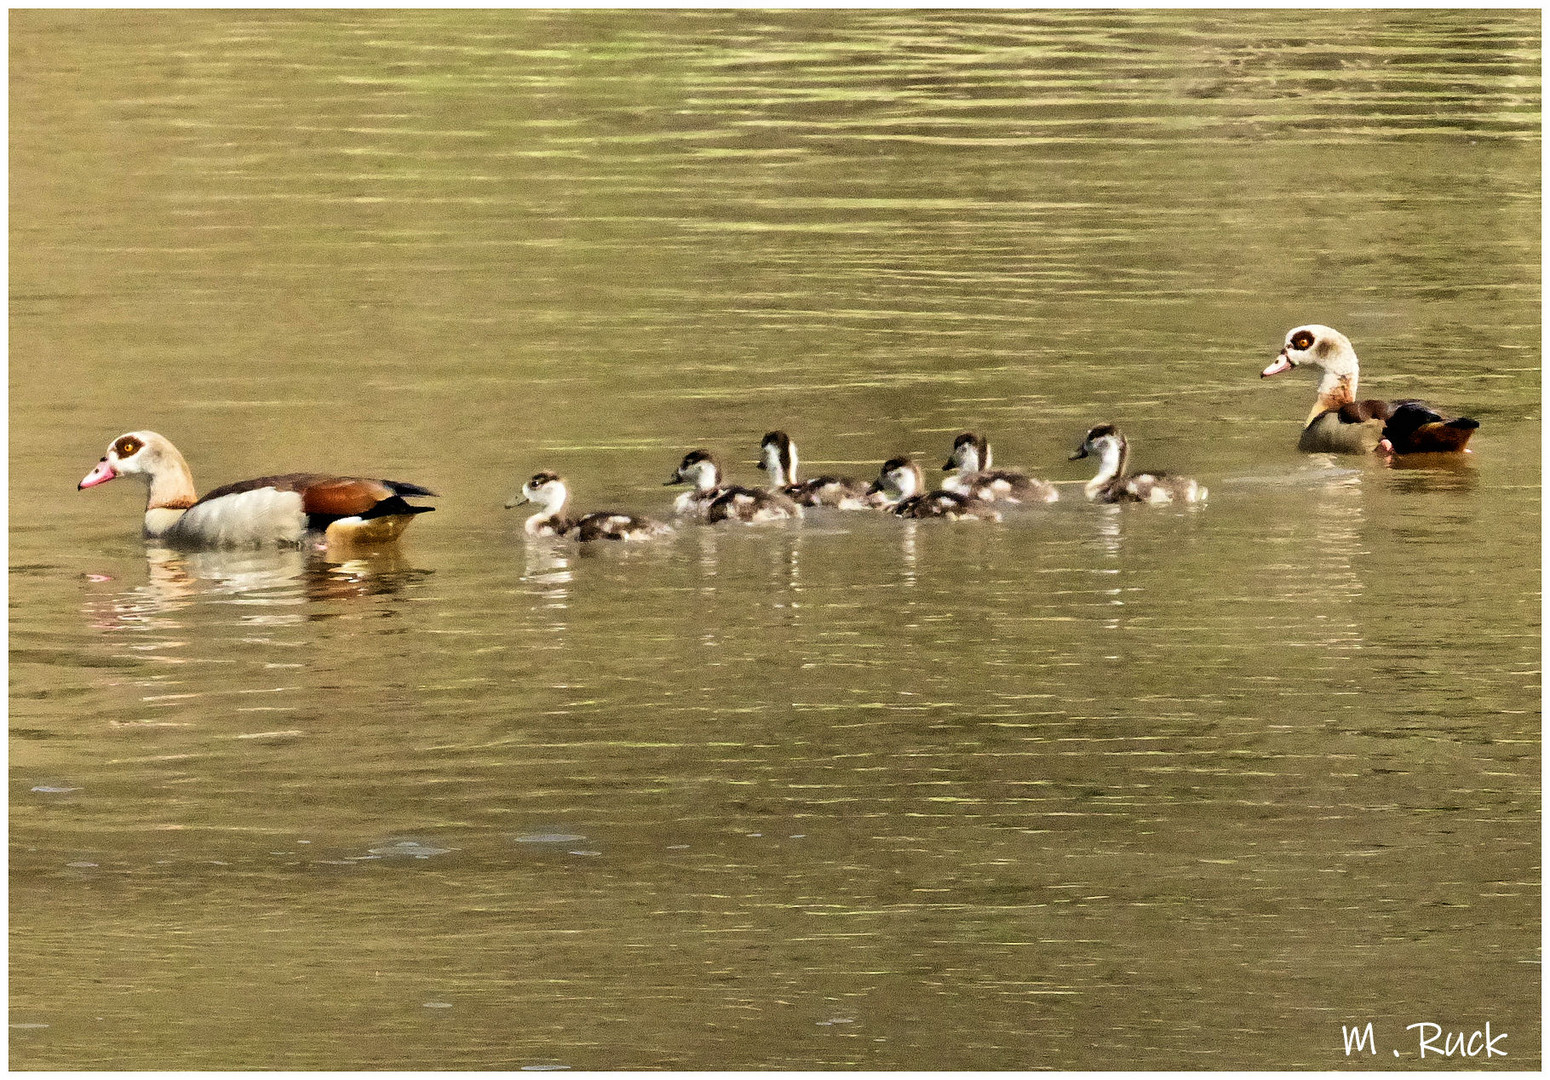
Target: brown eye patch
127, 446
1302, 340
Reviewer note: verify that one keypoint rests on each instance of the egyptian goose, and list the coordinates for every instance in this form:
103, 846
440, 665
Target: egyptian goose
901, 488
284, 509
710, 500
1111, 485
549, 492
1340, 424
778, 457
969, 464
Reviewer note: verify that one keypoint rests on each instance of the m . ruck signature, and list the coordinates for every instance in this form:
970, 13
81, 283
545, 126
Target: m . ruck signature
1432, 1039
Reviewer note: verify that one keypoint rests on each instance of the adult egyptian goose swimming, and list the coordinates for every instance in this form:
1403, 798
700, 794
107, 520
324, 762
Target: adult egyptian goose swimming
549, 491
711, 501
1111, 485
778, 457
901, 487
971, 474
1340, 424
287, 509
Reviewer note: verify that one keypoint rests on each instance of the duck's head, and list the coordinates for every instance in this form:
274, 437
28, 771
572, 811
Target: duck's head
1101, 440
141, 454
778, 457
899, 479
1321, 346
971, 453
698, 468
546, 489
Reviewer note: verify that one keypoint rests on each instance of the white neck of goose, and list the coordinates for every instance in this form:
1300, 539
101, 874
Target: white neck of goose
1112, 451
903, 482
158, 465
550, 498
172, 488
1336, 388
781, 463
1337, 358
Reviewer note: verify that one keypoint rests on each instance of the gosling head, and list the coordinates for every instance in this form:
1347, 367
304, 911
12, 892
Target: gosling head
546, 489
899, 479
698, 468
1104, 439
971, 453
778, 457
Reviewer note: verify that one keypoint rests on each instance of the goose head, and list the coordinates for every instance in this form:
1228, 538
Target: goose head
778, 457
971, 453
899, 479
141, 454
698, 468
151, 459
1321, 346
1103, 440
546, 489
1111, 449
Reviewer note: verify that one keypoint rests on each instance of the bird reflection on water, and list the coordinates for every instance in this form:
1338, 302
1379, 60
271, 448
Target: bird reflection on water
1418, 473
288, 577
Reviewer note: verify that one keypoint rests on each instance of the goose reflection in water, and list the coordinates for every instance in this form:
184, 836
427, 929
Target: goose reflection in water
1111, 541
909, 555
786, 573
1339, 576
177, 579
1111, 532
1416, 473
546, 564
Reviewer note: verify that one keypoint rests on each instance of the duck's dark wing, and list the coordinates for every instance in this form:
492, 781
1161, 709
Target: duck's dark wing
1416, 428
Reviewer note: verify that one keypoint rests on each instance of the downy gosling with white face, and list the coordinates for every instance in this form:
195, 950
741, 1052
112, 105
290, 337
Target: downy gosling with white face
1111, 485
901, 486
971, 474
778, 457
712, 501
549, 492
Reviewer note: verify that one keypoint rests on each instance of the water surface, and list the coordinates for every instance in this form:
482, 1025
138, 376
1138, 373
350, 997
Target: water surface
1090, 788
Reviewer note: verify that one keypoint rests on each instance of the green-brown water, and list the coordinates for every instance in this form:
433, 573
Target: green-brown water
1092, 788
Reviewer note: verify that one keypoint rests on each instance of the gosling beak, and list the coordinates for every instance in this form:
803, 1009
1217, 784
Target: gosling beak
517, 500
1081, 452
